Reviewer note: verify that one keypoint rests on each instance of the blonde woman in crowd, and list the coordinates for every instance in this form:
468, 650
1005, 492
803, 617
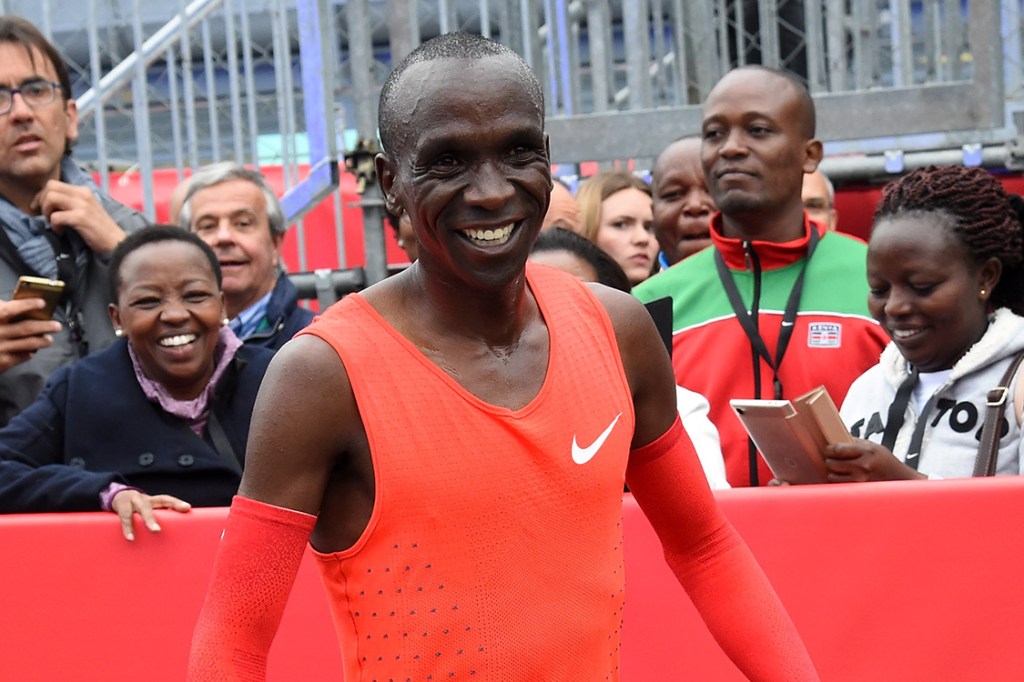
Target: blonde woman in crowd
617, 216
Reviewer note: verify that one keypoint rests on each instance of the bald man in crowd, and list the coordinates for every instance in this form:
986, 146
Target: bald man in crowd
819, 197
783, 303
681, 202
563, 210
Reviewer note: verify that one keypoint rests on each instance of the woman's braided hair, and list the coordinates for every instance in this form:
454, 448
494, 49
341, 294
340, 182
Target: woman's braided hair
986, 220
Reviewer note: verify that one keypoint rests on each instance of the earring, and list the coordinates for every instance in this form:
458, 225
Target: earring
119, 333
983, 292
225, 322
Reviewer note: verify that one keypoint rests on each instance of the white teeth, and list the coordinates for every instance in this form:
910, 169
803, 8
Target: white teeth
175, 341
498, 236
903, 333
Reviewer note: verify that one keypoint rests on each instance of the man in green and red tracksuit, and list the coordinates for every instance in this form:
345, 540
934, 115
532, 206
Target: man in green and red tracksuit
777, 305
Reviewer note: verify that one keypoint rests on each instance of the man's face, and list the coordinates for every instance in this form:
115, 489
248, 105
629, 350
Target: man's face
473, 175
817, 201
756, 148
32, 141
682, 205
232, 218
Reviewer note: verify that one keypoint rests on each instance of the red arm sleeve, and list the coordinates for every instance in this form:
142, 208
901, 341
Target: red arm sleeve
253, 574
712, 562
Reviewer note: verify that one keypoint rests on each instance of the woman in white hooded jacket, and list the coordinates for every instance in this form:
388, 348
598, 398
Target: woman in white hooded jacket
947, 284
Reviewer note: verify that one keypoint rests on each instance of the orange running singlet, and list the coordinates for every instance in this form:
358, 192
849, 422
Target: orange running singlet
494, 551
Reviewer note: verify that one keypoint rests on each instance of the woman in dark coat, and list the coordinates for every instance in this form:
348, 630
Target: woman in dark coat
164, 410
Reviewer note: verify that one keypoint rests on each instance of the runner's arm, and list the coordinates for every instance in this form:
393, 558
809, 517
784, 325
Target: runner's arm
708, 557
293, 444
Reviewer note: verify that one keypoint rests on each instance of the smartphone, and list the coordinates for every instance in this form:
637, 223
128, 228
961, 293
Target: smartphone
50, 290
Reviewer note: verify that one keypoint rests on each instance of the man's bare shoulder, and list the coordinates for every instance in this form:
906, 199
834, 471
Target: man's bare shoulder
304, 420
645, 360
307, 356
625, 310
306, 383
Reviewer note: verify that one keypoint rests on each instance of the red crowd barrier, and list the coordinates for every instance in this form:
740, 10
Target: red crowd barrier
888, 581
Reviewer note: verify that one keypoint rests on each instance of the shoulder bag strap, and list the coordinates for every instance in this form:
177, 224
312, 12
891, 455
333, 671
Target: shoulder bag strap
991, 431
221, 443
214, 427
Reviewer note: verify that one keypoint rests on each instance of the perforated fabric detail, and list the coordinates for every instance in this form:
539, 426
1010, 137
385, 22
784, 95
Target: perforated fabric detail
253, 574
491, 554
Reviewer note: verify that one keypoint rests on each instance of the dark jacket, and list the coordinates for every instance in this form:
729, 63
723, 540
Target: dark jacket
94, 418
21, 384
285, 314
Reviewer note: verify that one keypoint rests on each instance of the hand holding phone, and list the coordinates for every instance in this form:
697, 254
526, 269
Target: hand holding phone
25, 329
50, 290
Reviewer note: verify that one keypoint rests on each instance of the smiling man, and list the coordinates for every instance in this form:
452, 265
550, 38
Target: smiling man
235, 211
779, 300
425, 436
681, 203
55, 222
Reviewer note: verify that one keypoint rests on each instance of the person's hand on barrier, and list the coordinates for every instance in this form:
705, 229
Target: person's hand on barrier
20, 339
863, 460
129, 502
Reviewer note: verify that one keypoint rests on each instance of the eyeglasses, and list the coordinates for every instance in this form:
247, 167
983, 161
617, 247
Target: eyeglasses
35, 93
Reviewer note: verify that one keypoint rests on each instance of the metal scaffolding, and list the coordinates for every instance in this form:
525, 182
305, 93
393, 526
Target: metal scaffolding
897, 83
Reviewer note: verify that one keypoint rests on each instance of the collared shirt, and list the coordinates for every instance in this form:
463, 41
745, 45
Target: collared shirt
253, 319
195, 411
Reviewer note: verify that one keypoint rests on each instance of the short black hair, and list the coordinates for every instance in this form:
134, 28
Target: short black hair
457, 45
609, 272
18, 31
154, 234
807, 107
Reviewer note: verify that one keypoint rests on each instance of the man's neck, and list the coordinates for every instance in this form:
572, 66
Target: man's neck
495, 317
236, 306
755, 228
22, 191
22, 196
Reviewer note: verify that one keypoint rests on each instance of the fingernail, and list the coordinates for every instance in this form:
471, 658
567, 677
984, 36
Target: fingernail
130, 537
155, 527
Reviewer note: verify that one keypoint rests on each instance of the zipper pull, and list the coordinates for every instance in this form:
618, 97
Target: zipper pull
746, 255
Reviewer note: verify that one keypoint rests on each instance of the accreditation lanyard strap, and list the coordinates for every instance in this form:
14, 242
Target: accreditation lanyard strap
748, 319
898, 414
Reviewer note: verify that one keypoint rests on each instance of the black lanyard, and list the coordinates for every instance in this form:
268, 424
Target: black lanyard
898, 414
749, 322
67, 271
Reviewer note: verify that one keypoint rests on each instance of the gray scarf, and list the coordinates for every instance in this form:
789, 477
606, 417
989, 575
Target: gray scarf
28, 233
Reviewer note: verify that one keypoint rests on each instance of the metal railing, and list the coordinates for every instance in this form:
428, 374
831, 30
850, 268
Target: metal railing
286, 82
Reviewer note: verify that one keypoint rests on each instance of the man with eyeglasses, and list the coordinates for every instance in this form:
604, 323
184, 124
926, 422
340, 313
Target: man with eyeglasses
55, 222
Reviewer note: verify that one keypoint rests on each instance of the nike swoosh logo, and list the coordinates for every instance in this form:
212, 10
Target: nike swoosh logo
584, 455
